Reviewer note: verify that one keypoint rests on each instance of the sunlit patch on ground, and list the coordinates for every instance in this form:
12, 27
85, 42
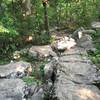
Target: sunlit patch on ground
87, 94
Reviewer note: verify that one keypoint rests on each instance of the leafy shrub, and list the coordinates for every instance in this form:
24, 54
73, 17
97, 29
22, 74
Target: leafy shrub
7, 38
95, 56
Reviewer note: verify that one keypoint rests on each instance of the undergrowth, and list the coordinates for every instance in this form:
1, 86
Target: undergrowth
95, 56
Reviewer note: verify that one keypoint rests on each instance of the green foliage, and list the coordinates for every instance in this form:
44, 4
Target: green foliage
95, 56
7, 32
3, 30
4, 61
37, 75
39, 71
30, 80
7, 36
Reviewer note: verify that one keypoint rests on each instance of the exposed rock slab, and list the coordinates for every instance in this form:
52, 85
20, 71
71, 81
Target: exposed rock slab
76, 75
11, 89
41, 51
14, 69
67, 90
75, 51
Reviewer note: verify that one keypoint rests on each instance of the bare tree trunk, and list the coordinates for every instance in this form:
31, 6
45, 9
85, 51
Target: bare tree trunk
46, 22
26, 7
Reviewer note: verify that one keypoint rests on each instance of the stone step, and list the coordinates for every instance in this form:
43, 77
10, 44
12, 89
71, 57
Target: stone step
14, 69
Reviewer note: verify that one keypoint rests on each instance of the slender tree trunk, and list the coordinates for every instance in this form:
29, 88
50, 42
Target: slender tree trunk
46, 22
57, 19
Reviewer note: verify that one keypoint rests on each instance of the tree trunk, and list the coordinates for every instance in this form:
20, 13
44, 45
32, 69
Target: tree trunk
26, 7
46, 22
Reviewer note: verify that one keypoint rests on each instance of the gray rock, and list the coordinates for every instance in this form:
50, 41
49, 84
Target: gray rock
68, 90
76, 75
33, 54
50, 67
64, 43
85, 42
38, 95
33, 92
41, 51
75, 51
74, 58
48, 70
11, 89
14, 69
77, 33
95, 25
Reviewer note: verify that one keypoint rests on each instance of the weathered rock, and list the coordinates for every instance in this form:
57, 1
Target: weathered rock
76, 75
38, 95
83, 39
68, 90
95, 25
75, 51
11, 89
14, 70
50, 68
80, 32
74, 58
41, 51
66, 43
85, 42
33, 92
77, 34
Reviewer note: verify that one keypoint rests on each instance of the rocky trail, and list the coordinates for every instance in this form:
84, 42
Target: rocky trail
69, 76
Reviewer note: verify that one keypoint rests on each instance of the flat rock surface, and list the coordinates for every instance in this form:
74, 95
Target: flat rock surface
11, 89
71, 91
75, 76
41, 51
75, 50
13, 67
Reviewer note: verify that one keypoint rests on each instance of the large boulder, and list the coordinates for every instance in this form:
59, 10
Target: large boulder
83, 39
41, 51
11, 89
66, 43
15, 69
